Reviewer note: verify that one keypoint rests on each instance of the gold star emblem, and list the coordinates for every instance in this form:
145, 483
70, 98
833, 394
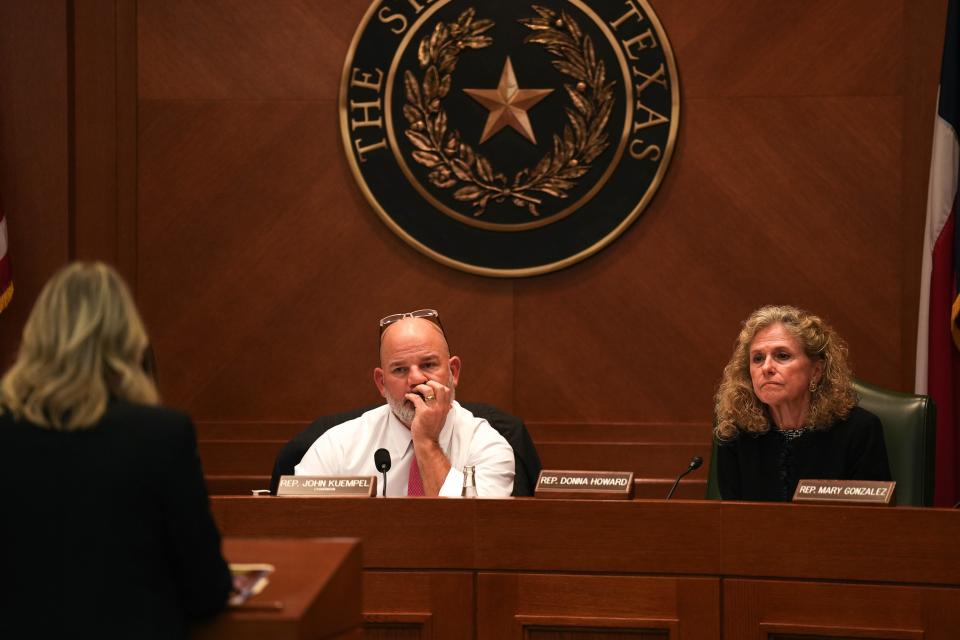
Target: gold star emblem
508, 104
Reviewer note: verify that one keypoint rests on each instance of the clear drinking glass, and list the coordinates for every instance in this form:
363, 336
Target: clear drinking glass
469, 483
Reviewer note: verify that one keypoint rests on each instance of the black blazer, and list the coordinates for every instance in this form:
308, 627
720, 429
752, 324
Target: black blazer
768, 467
107, 532
526, 461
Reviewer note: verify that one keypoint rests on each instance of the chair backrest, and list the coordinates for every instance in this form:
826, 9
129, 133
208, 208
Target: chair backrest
512, 428
909, 432
292, 453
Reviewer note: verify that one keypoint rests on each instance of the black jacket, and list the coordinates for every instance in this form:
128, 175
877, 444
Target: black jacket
107, 531
768, 467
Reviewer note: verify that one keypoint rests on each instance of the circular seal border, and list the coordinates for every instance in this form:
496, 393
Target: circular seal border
613, 234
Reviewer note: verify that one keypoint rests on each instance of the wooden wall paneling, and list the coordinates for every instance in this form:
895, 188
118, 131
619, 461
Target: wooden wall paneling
104, 150
777, 139
653, 334
258, 443
265, 50
787, 170
646, 460
738, 48
34, 151
656, 452
249, 316
236, 485
762, 609
262, 266
690, 488
238, 457
278, 431
95, 152
801, 165
126, 136
418, 606
635, 432
577, 607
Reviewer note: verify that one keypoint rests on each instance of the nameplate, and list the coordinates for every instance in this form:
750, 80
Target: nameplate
328, 486
597, 485
845, 491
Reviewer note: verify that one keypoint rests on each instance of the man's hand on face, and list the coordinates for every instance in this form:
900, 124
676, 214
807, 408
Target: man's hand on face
432, 401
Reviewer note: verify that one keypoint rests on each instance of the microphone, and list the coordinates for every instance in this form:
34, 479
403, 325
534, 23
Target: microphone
695, 463
381, 458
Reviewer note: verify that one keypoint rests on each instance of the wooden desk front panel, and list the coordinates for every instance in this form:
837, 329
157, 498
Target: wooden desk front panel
599, 536
733, 540
412, 605
414, 533
769, 609
869, 544
581, 607
556, 569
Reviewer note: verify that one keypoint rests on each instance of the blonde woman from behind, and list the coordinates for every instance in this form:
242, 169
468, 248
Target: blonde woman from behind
108, 531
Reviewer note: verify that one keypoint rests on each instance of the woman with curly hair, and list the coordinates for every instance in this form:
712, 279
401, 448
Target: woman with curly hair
786, 410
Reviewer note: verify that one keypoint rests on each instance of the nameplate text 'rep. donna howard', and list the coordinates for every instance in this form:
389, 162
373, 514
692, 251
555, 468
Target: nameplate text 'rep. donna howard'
600, 485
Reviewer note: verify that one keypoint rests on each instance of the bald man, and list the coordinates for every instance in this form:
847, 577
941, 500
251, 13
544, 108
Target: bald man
430, 437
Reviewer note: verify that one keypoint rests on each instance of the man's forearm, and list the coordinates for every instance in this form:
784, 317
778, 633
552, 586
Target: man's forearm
434, 466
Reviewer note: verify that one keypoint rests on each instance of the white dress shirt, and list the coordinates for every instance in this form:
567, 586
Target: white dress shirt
347, 450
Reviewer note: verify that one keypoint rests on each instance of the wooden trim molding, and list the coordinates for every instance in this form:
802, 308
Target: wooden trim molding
825, 632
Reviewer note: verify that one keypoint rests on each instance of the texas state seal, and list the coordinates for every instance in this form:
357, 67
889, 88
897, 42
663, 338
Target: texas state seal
506, 138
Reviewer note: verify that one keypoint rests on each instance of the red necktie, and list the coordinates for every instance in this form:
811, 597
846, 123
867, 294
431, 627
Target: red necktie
414, 481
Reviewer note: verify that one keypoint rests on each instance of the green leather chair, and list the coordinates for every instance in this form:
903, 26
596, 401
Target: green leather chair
909, 431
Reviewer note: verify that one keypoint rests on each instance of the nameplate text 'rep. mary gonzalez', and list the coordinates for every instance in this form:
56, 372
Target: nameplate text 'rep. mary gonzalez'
845, 491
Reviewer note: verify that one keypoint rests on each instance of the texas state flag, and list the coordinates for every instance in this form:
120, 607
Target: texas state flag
938, 333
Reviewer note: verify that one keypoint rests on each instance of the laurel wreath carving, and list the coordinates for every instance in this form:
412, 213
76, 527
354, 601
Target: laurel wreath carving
454, 163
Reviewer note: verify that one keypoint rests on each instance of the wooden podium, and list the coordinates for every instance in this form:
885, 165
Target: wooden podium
314, 592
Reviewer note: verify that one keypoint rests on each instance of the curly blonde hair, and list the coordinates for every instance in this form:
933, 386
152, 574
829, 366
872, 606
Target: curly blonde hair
737, 408
83, 344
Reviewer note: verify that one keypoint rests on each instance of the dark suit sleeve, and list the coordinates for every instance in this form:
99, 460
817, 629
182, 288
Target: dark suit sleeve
728, 471
203, 578
869, 451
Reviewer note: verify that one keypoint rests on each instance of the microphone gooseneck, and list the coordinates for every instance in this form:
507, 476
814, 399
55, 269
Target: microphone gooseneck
695, 463
381, 458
